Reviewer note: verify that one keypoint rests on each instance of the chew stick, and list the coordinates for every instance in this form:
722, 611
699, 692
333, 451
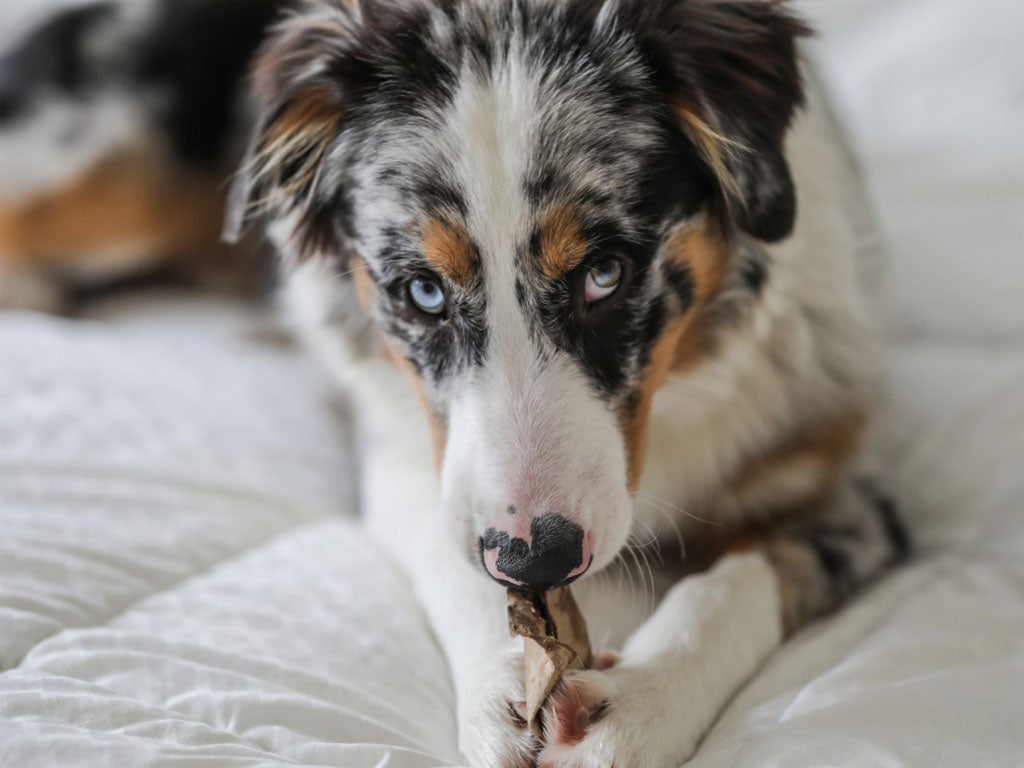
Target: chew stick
555, 640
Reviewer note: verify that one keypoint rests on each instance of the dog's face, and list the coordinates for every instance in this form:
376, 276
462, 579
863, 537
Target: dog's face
535, 200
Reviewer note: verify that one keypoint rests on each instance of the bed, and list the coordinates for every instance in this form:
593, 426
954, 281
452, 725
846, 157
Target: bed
183, 581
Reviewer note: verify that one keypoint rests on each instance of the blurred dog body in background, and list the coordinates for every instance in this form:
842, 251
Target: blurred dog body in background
120, 124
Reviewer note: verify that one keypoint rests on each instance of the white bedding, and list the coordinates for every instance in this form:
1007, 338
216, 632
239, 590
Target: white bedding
182, 582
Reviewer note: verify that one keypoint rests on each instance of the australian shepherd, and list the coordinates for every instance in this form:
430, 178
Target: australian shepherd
597, 276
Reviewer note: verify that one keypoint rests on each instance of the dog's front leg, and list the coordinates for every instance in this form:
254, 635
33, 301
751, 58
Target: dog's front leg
713, 630
708, 636
467, 611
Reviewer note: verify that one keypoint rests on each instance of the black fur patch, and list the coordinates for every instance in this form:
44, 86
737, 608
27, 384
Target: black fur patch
736, 61
51, 57
197, 52
831, 548
884, 505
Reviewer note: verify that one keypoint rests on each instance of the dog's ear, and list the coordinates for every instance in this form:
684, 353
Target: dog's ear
300, 102
734, 84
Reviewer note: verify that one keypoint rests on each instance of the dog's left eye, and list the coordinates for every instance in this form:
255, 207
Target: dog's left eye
603, 279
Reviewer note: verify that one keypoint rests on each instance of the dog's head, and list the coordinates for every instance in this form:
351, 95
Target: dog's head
536, 200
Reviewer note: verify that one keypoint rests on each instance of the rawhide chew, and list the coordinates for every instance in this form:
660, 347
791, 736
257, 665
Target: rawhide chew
554, 640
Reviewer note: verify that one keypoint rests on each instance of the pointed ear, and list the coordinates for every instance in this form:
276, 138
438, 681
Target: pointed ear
735, 86
299, 112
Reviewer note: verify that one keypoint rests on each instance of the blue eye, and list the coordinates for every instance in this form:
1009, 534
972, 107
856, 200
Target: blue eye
603, 279
427, 295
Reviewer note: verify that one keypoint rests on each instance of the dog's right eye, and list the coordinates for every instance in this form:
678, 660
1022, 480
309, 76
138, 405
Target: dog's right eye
427, 295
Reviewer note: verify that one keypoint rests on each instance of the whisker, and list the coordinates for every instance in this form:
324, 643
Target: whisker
674, 508
363, 267
652, 595
651, 534
623, 567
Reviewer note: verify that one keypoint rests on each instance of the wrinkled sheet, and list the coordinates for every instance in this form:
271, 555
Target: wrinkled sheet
182, 581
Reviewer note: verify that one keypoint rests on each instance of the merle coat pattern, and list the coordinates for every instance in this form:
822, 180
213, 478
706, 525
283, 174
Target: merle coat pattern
569, 229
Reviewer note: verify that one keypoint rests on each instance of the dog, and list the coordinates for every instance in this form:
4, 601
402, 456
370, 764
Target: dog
596, 274
121, 122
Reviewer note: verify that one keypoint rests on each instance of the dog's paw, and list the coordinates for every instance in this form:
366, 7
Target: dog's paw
600, 719
492, 729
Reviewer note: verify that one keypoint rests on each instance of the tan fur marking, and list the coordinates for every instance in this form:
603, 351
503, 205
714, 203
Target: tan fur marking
702, 249
762, 504
637, 420
562, 246
449, 250
366, 292
124, 211
303, 131
438, 430
366, 288
712, 145
683, 343
790, 560
817, 454
759, 525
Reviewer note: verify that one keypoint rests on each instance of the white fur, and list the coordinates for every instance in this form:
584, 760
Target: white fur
521, 432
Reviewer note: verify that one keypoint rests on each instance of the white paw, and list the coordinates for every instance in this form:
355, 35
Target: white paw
492, 732
618, 717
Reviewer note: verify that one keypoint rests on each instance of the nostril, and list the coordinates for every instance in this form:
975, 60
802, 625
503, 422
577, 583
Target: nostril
556, 553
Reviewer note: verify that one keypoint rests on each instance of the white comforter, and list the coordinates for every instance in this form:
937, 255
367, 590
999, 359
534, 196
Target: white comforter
182, 583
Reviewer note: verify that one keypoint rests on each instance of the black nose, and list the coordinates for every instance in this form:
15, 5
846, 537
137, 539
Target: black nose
553, 558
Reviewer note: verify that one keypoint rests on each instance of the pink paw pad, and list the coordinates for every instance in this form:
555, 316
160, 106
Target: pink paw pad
606, 660
573, 708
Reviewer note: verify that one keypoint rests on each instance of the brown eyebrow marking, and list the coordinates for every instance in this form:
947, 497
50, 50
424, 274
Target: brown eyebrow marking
562, 244
449, 250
